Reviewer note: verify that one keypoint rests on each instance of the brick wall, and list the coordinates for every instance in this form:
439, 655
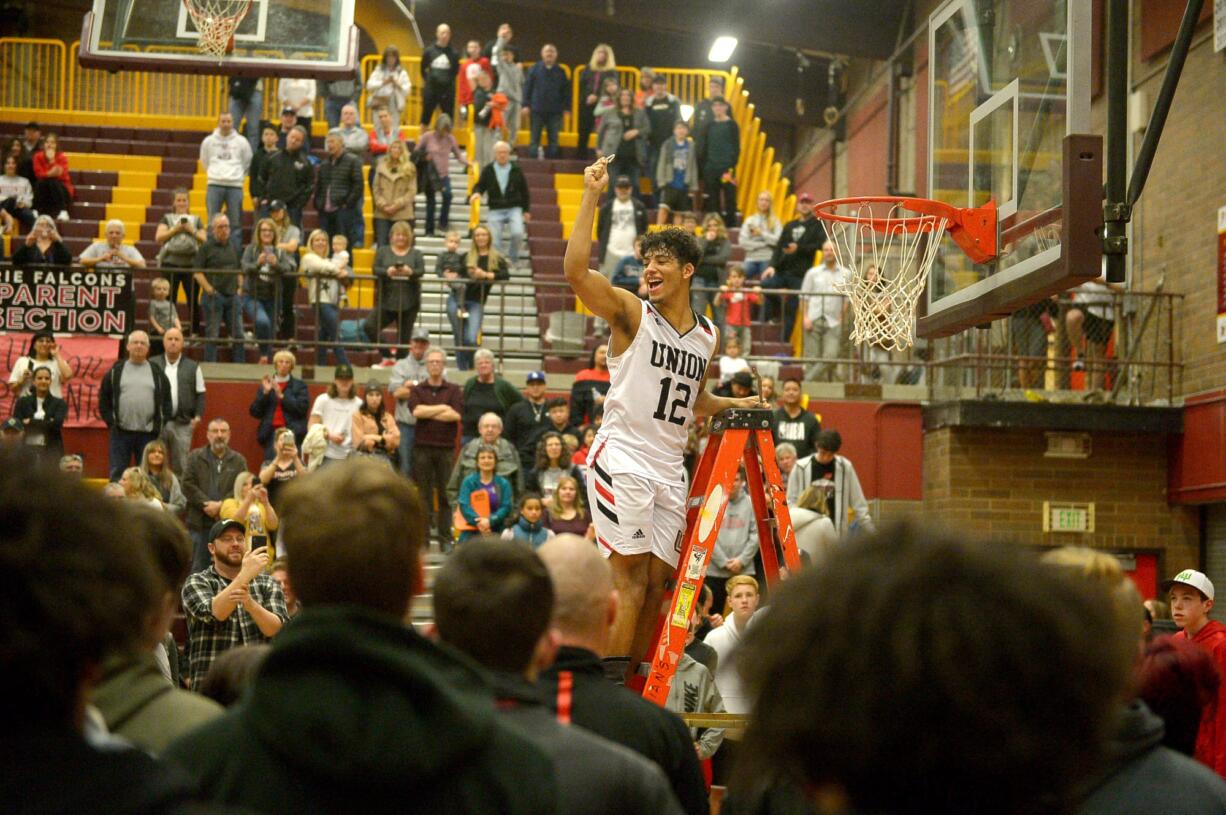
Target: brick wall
1175, 222
992, 483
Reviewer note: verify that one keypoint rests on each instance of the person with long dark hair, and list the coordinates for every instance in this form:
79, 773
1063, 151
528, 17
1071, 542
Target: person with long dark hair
374, 426
42, 415
53, 191
43, 352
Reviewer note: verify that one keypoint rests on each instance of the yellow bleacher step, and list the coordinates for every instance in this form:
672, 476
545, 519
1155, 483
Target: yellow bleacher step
107, 162
132, 215
568, 181
131, 195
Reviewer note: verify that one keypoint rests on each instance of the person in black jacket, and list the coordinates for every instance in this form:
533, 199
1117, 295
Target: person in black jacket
260, 156
547, 99
349, 660
42, 415
575, 686
440, 64
81, 589
42, 246
288, 176
134, 402
798, 244
493, 602
338, 195
625, 202
286, 391
504, 183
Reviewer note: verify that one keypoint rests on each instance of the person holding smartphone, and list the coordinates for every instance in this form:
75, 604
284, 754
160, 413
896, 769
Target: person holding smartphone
250, 507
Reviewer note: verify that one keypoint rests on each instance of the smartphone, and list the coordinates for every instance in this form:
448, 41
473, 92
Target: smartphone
257, 541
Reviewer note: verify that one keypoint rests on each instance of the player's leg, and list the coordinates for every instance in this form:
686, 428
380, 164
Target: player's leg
667, 530
630, 577
621, 513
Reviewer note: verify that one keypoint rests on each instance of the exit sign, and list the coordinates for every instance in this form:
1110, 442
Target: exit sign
1068, 517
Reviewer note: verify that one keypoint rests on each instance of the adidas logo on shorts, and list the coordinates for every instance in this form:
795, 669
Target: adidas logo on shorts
638, 535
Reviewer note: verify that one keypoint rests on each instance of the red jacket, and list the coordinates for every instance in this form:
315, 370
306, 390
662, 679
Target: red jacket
739, 313
1211, 738
41, 166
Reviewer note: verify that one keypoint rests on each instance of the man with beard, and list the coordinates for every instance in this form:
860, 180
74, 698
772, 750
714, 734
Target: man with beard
231, 603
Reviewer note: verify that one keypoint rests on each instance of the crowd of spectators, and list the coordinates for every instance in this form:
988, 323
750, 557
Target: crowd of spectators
509, 690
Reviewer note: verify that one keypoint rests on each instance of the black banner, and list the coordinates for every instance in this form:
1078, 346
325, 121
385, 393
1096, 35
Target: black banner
67, 300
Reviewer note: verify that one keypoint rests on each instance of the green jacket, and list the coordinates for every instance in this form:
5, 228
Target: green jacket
138, 703
354, 711
507, 393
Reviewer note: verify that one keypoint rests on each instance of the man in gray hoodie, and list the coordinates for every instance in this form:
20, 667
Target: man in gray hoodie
846, 502
225, 157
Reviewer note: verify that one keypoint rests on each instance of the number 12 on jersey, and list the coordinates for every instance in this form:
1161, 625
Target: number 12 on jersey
682, 402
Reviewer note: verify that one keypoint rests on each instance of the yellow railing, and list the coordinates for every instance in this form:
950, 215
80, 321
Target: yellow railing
38, 75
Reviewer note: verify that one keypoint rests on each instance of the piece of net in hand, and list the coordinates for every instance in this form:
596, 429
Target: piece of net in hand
888, 246
217, 20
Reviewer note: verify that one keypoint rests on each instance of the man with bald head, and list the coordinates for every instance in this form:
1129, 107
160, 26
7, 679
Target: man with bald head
134, 401
575, 686
440, 65
186, 397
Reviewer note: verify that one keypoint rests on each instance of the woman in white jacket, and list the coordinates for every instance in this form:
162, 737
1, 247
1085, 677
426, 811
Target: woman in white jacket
388, 86
324, 278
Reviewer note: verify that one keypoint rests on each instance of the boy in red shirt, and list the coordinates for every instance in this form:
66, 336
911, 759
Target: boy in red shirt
1191, 596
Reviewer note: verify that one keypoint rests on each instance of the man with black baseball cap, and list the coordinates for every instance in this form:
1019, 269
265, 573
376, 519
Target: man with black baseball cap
1191, 597
622, 219
11, 432
231, 603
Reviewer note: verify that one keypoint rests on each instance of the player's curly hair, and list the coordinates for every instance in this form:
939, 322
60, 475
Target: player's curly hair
674, 243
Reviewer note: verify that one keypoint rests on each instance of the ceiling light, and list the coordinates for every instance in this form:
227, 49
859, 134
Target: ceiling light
721, 49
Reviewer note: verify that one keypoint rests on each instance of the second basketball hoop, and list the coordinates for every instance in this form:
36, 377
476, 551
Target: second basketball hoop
217, 20
888, 245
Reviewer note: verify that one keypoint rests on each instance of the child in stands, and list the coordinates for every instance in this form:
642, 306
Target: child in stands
731, 363
163, 315
737, 302
340, 256
529, 528
451, 266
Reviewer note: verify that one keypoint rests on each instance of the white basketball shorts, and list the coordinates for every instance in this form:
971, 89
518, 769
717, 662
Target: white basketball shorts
635, 515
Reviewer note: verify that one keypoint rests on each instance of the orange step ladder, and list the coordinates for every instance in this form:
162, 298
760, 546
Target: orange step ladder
738, 437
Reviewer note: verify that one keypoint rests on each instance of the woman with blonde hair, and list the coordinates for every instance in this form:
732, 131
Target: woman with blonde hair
483, 265
136, 487
325, 281
155, 466
759, 236
398, 269
250, 507
393, 191
602, 66
565, 513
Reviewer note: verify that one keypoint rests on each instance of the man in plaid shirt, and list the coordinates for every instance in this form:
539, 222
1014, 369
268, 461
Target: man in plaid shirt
231, 603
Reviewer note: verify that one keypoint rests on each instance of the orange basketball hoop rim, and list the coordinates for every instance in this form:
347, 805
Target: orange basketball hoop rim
972, 228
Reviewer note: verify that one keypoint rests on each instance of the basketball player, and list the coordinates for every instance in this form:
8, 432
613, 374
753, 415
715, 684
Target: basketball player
658, 359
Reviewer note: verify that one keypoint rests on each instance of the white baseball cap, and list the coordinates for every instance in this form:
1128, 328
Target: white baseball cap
1193, 578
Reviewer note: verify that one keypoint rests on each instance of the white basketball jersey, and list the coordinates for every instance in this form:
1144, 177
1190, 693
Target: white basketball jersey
654, 384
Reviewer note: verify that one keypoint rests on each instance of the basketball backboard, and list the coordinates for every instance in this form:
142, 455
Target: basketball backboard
315, 39
1008, 114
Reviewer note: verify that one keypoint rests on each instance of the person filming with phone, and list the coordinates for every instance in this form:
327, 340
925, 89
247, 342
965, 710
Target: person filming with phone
234, 601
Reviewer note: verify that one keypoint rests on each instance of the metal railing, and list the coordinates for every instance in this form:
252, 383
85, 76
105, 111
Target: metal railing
1117, 347
1120, 347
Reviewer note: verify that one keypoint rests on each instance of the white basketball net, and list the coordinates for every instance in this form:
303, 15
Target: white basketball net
216, 20
887, 270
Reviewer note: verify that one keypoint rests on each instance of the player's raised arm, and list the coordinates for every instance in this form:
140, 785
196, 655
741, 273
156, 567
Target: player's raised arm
593, 288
